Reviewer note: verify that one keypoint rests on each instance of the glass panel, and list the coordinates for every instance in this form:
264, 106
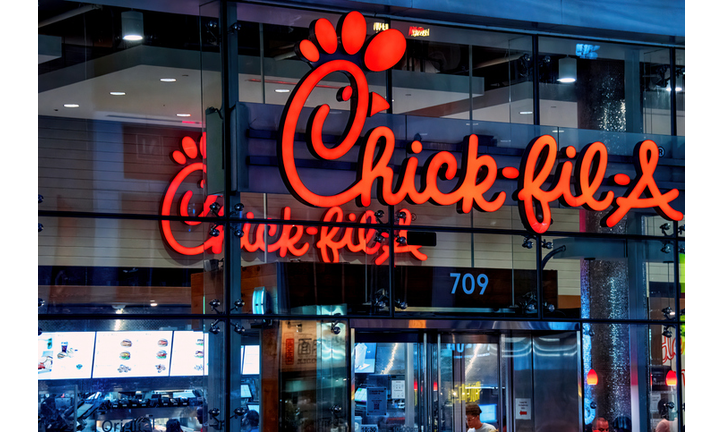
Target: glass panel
470, 386
613, 278
246, 375
680, 91
502, 67
594, 85
389, 386
103, 375
112, 266
465, 273
312, 371
113, 113
314, 269
433, 79
626, 369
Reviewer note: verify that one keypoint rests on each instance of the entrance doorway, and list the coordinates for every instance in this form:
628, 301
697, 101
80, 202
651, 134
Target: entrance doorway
427, 380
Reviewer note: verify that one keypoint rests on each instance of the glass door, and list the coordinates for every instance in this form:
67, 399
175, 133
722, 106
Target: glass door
426, 381
470, 395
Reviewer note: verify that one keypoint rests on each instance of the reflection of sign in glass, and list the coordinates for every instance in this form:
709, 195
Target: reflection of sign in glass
376, 401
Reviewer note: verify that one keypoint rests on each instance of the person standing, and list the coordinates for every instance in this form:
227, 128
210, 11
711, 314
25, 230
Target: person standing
473, 422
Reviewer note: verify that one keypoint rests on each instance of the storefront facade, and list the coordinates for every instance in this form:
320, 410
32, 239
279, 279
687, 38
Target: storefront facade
355, 216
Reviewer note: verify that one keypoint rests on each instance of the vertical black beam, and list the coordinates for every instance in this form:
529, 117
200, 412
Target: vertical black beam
226, 33
392, 239
538, 267
261, 63
390, 110
535, 80
678, 331
673, 96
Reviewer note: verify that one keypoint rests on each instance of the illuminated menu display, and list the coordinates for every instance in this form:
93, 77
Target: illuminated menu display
65, 355
132, 354
190, 353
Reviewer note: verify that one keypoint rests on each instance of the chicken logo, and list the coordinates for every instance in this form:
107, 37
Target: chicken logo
191, 155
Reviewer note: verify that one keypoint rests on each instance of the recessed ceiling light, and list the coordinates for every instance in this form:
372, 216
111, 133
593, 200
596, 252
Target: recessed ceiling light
183, 115
71, 105
133, 37
154, 304
566, 80
168, 79
525, 112
282, 90
118, 93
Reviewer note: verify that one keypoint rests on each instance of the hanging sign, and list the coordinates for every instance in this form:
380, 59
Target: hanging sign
381, 52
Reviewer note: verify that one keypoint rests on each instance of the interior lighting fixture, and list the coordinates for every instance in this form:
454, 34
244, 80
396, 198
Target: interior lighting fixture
592, 378
678, 89
526, 112
282, 90
153, 303
117, 93
168, 79
671, 379
568, 70
132, 26
71, 105
183, 115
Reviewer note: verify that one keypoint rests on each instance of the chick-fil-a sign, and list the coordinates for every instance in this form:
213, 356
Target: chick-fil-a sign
282, 239
383, 51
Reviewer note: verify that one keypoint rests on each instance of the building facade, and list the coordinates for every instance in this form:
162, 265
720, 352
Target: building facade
360, 216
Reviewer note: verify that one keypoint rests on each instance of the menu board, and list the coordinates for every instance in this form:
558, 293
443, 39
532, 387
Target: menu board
190, 353
132, 354
65, 355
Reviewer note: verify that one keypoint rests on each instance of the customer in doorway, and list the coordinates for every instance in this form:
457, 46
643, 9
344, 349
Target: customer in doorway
473, 422
173, 425
600, 425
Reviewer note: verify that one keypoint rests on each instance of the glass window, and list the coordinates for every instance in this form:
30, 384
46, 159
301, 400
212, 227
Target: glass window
119, 116
626, 367
106, 374
680, 91
604, 86
123, 266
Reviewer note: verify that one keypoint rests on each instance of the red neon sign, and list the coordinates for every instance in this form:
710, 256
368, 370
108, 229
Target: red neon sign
284, 239
382, 52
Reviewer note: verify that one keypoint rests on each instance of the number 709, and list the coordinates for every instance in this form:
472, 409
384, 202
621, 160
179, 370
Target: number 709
469, 286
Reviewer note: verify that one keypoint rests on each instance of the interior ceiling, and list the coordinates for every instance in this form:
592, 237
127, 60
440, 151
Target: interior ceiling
95, 61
